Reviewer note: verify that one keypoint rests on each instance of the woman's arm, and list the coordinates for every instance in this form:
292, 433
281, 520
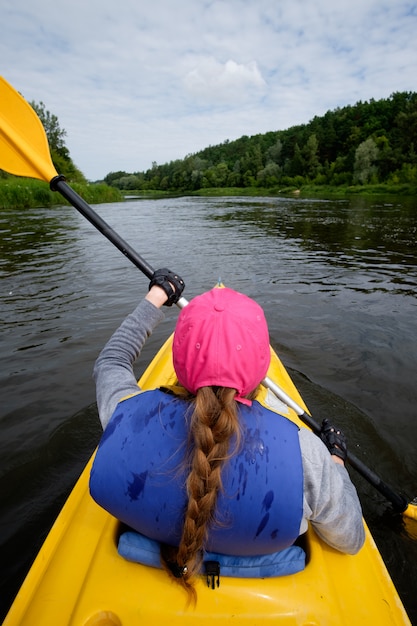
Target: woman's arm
113, 370
330, 499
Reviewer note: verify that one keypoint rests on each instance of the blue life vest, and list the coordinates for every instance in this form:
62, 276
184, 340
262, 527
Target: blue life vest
139, 475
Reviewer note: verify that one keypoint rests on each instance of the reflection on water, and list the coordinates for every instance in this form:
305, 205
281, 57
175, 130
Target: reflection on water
378, 238
337, 281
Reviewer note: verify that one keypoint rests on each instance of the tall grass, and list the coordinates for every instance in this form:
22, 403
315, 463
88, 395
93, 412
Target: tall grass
21, 193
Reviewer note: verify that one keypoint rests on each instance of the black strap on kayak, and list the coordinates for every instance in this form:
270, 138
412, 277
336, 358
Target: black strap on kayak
212, 570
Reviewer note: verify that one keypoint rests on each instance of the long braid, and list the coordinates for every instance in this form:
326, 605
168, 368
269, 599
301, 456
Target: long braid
214, 424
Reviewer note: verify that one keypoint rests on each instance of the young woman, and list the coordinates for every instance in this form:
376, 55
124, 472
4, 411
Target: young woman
204, 466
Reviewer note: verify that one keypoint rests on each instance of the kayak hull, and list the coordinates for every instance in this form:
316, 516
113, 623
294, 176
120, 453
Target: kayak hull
79, 579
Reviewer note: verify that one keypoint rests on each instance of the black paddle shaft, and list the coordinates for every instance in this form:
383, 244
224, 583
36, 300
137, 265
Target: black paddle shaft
58, 184
398, 501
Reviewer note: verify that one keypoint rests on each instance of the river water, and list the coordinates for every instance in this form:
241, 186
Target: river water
337, 281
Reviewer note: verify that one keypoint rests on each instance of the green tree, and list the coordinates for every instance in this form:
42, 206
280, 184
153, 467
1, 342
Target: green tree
112, 177
274, 152
366, 154
337, 172
217, 175
297, 165
54, 133
270, 175
310, 154
56, 139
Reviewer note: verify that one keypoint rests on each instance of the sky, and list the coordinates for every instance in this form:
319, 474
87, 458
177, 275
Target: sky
134, 82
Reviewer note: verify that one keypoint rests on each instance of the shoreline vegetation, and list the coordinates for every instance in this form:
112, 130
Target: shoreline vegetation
21, 193
304, 191
25, 193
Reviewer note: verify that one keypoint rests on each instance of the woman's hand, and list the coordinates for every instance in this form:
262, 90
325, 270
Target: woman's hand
335, 441
157, 296
170, 284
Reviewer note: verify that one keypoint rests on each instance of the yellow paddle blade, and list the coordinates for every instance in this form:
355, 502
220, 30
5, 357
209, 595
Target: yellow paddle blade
24, 149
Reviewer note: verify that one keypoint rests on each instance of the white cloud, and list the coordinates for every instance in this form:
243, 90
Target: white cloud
217, 82
134, 82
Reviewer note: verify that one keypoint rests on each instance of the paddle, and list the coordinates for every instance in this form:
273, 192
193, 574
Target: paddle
24, 151
399, 502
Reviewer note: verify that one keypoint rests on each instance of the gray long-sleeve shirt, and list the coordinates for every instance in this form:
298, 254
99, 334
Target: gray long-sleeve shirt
330, 501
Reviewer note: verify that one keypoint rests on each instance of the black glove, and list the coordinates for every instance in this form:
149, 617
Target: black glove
171, 283
334, 440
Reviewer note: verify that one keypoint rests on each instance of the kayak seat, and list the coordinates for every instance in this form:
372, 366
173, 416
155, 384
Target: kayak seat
140, 549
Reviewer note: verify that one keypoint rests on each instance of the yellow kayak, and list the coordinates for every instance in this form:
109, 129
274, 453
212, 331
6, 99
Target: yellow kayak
79, 579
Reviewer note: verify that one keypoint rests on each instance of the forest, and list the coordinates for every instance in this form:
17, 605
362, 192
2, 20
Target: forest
369, 143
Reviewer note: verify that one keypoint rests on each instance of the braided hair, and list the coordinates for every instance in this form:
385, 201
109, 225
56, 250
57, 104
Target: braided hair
214, 425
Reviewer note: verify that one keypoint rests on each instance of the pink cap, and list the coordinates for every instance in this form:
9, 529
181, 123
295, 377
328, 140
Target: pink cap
221, 339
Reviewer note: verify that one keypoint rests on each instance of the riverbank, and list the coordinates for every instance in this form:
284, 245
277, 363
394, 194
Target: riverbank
306, 191
327, 191
313, 191
25, 193
29, 193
